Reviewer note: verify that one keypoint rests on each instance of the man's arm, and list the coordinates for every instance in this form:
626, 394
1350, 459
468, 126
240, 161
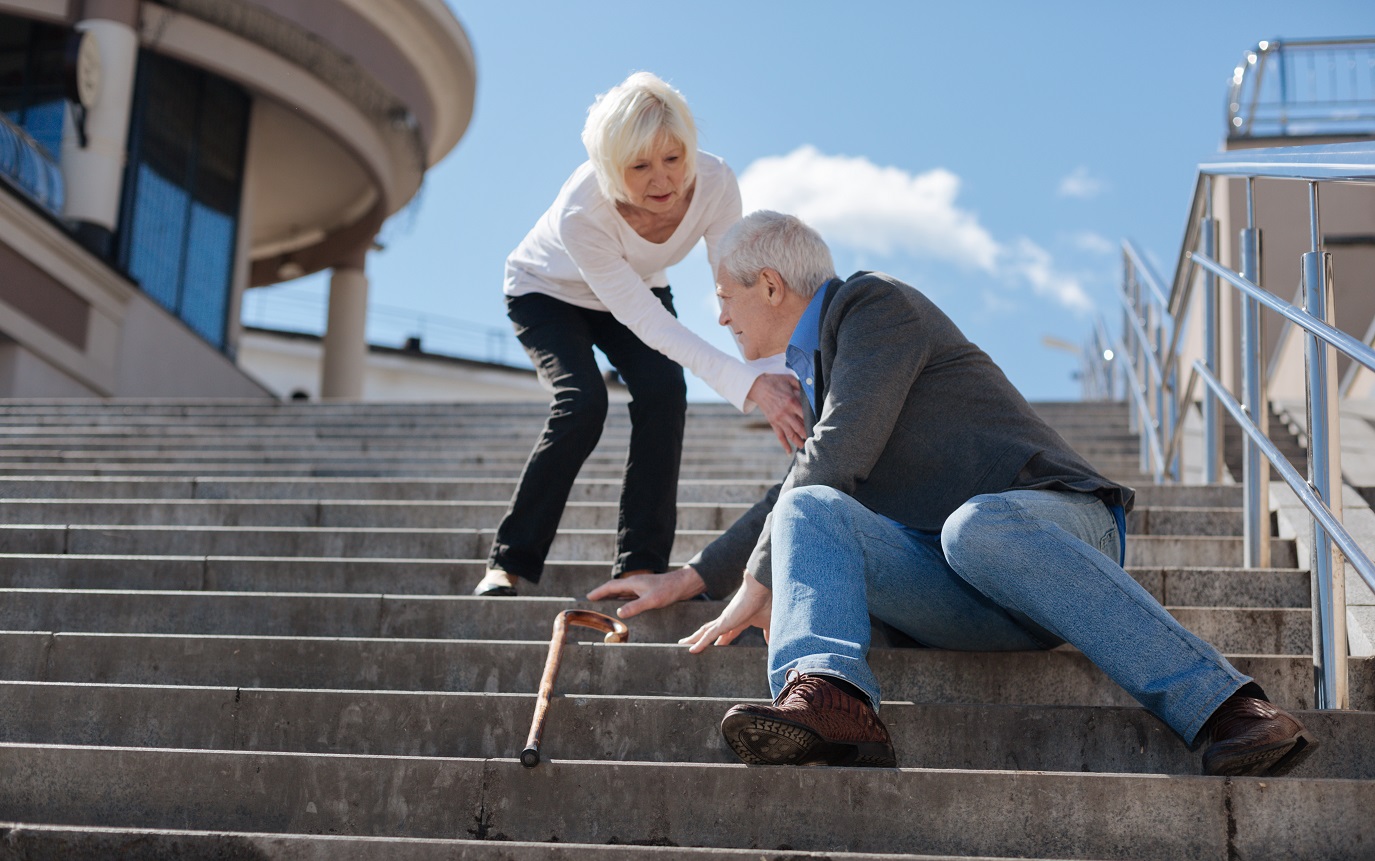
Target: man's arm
721, 564
875, 345
716, 570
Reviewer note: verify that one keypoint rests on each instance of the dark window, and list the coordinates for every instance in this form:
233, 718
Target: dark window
32, 94
179, 218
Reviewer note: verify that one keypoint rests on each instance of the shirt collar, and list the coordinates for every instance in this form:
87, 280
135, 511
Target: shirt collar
807, 334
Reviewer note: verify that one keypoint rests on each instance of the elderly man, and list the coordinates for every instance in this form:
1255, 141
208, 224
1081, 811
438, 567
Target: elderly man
931, 496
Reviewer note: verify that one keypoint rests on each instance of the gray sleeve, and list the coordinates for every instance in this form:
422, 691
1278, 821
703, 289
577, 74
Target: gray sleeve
721, 564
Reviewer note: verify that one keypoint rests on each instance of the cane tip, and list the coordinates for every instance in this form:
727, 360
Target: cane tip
529, 757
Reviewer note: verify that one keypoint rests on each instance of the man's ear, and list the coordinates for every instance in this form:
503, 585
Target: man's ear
776, 288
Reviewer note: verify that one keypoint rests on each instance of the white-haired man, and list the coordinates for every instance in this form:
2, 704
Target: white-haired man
930, 495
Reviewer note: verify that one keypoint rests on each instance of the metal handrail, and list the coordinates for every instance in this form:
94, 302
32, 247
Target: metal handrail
1338, 95
1150, 312
1139, 394
1352, 347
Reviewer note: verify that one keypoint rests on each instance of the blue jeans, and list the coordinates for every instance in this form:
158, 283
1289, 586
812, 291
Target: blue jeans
1019, 570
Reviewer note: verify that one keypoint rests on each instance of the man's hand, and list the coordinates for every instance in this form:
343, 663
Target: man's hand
651, 591
777, 396
752, 606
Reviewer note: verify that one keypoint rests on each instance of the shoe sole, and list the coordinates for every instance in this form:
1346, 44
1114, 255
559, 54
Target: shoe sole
759, 740
496, 592
1273, 760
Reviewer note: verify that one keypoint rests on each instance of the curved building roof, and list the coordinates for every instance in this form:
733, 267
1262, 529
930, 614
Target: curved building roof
353, 101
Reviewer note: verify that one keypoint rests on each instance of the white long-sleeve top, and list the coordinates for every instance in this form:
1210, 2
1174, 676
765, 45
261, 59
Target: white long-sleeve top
583, 252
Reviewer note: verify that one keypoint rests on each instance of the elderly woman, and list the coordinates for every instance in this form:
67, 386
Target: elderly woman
591, 274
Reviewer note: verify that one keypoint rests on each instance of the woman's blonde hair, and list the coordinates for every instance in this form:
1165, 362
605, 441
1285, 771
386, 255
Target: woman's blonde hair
624, 122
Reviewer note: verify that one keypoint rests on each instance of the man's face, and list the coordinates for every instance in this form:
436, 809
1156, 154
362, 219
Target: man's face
749, 314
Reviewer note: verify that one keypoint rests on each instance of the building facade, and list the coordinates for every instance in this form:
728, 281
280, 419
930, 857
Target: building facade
160, 157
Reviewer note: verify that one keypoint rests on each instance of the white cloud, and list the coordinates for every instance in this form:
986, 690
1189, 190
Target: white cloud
1093, 243
1033, 263
1081, 184
885, 210
856, 203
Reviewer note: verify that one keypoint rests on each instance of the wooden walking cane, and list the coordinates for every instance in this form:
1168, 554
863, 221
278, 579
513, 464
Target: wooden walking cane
616, 632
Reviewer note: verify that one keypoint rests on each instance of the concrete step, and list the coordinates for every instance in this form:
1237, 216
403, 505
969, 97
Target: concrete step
1057, 677
418, 489
1255, 631
431, 488
402, 543
1126, 740
30, 841
509, 460
350, 469
465, 514
459, 543
892, 810
1185, 587
362, 514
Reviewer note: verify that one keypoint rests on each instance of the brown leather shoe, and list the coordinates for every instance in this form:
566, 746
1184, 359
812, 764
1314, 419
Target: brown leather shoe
1252, 738
813, 722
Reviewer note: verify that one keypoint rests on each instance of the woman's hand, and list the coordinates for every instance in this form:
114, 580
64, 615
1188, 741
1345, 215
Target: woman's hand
778, 397
752, 606
651, 591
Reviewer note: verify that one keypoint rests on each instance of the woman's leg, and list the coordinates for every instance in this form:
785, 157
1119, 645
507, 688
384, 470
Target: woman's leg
558, 338
658, 406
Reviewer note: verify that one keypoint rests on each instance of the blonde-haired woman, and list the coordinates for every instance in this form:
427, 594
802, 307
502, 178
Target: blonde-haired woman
591, 274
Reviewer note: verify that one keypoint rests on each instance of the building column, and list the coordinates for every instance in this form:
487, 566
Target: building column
93, 168
344, 361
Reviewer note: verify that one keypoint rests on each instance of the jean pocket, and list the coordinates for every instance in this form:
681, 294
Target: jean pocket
1110, 544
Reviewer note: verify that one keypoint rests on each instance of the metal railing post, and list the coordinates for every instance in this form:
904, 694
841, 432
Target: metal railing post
1329, 623
1255, 471
1212, 415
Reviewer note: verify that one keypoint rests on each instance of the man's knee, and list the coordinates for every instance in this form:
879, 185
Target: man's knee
970, 535
817, 506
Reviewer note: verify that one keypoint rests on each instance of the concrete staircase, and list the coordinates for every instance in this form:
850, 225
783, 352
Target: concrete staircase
241, 630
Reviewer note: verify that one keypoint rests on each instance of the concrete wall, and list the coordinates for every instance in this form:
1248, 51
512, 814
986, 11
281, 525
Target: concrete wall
289, 363
126, 344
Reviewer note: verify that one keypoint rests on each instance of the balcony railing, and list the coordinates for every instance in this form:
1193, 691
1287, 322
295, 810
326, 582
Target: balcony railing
1304, 87
1149, 351
27, 167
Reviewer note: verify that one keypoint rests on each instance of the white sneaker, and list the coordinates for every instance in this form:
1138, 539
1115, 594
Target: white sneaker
496, 584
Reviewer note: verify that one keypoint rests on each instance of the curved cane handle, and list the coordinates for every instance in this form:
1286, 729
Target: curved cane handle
615, 630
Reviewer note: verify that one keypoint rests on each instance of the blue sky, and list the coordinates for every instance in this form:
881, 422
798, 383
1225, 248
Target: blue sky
992, 154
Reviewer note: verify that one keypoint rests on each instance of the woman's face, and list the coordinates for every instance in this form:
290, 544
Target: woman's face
654, 181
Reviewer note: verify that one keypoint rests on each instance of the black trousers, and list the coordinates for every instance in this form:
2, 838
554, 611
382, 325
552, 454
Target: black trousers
559, 338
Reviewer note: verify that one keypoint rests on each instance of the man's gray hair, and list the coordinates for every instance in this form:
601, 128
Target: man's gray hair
771, 240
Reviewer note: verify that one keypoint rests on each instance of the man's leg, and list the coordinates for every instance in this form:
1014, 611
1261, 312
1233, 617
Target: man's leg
1051, 556
835, 562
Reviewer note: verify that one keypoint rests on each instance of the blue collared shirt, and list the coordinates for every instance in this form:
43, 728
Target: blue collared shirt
804, 343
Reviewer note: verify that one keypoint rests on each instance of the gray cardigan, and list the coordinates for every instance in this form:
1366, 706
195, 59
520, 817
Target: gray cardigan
914, 421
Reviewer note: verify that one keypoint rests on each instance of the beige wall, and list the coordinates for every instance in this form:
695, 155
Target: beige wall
287, 364
130, 345
1281, 214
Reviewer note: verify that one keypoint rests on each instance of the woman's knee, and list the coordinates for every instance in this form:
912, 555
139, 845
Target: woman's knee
661, 389
580, 403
